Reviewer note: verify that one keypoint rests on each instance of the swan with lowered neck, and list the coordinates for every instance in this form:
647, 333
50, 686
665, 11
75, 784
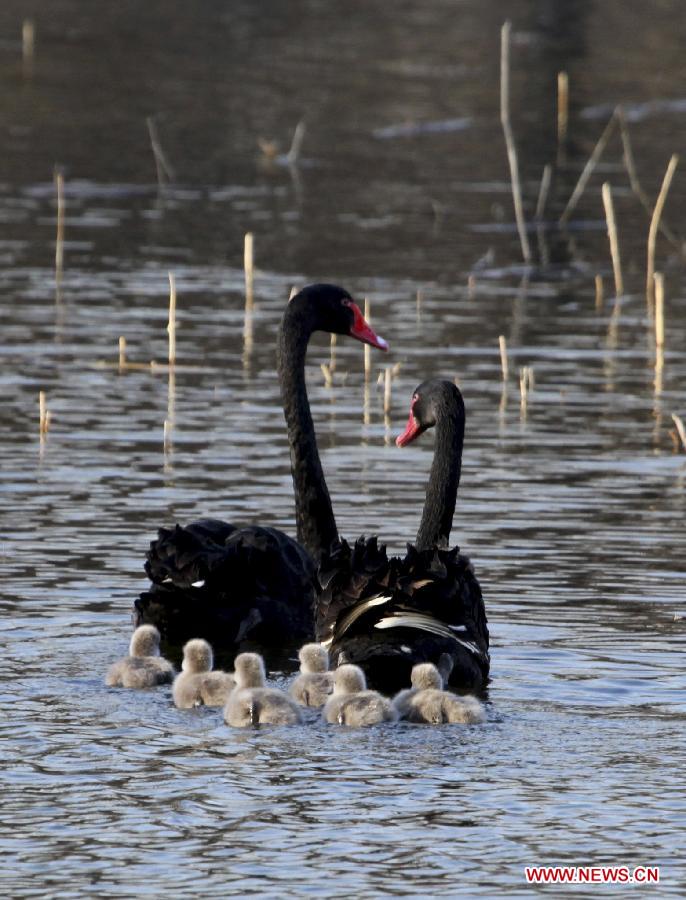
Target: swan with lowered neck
229, 584
389, 615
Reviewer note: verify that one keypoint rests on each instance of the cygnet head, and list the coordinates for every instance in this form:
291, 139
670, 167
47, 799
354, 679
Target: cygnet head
426, 676
197, 656
249, 670
349, 679
313, 658
145, 641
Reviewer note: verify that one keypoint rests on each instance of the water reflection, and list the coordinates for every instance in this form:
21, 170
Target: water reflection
571, 506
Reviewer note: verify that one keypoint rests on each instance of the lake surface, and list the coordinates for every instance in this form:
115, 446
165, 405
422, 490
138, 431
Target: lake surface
571, 506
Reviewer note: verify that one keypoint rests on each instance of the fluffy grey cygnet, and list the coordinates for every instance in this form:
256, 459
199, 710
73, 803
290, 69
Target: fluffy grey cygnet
314, 685
197, 684
143, 667
251, 702
427, 703
352, 704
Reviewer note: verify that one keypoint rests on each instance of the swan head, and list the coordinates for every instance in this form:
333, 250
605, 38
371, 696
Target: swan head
425, 676
313, 658
145, 641
349, 679
432, 400
249, 670
331, 308
197, 656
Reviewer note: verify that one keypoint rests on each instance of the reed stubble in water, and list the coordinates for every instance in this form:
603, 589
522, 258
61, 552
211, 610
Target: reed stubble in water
614, 239
562, 114
655, 224
659, 309
587, 171
171, 326
509, 138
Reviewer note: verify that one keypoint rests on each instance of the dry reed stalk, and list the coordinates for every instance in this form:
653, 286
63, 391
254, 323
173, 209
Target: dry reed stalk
504, 365
420, 298
614, 240
367, 348
509, 138
167, 435
678, 422
332, 358
388, 378
471, 287
599, 291
28, 45
248, 265
636, 186
296, 143
562, 113
171, 396
328, 375
655, 222
165, 173
171, 327
59, 241
588, 170
122, 354
543, 191
526, 383
43, 414
659, 309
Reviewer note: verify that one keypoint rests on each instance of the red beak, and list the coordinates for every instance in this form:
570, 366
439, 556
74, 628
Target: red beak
363, 332
412, 430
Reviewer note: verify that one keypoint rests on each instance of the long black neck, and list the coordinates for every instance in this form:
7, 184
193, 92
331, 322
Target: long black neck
444, 479
315, 523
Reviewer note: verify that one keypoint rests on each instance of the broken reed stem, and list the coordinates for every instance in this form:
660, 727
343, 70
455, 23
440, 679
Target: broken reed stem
43, 414
504, 365
165, 173
562, 113
367, 348
509, 138
659, 309
655, 223
543, 191
680, 429
588, 170
332, 359
167, 432
171, 327
122, 353
636, 187
420, 297
388, 377
614, 241
59, 241
328, 375
599, 291
248, 265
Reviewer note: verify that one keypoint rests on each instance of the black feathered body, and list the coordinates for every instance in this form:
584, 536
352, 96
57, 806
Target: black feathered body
386, 615
229, 585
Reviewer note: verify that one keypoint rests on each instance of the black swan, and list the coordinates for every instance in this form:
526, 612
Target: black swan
387, 615
231, 584
143, 667
352, 704
427, 703
252, 702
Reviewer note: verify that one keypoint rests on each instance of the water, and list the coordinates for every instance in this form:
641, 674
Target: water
571, 508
